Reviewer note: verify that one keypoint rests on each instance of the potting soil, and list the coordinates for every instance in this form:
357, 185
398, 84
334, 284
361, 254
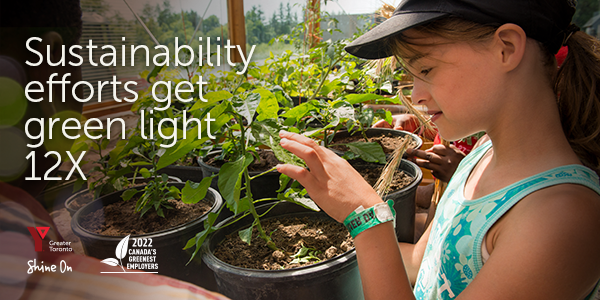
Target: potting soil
389, 143
325, 238
400, 180
120, 219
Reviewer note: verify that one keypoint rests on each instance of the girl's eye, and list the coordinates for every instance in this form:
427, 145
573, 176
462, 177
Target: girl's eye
425, 71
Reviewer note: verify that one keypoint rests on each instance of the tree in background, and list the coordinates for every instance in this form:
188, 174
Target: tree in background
255, 29
281, 22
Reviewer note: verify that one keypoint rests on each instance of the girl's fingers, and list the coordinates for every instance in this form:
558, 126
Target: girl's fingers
428, 165
304, 148
298, 138
300, 174
426, 155
382, 124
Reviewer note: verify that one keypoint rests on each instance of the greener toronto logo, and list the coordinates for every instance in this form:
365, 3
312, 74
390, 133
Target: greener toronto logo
141, 256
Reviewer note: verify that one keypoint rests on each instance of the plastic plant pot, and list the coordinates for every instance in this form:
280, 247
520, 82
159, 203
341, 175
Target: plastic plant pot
404, 198
376, 132
335, 279
72, 207
170, 257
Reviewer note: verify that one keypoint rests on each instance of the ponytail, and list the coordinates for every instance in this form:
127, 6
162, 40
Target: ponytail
577, 86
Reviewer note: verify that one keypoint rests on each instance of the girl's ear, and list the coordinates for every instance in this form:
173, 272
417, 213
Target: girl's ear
509, 45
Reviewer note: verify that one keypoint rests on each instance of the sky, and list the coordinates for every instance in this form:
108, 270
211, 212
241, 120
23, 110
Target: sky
219, 7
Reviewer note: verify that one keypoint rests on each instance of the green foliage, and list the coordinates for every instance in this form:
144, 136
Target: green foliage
585, 11
108, 177
305, 255
249, 111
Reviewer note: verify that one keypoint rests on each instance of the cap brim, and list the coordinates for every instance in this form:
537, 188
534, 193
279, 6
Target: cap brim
373, 44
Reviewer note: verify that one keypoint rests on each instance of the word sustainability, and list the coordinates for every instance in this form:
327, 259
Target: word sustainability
110, 56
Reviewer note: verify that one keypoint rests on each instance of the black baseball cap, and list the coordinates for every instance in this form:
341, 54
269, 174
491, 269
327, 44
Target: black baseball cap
544, 20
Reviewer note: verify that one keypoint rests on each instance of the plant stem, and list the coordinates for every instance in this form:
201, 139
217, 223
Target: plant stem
324, 78
261, 231
364, 133
264, 173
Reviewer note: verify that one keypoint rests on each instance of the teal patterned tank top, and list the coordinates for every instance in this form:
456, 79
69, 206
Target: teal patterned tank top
453, 254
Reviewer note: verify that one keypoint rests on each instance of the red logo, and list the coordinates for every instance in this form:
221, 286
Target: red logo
38, 234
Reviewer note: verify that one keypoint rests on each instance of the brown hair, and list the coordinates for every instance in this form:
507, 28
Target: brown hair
575, 83
579, 97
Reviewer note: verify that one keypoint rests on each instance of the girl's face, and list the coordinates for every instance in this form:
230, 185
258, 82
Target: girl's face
458, 82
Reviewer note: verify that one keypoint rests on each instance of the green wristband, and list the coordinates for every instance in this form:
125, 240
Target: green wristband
362, 219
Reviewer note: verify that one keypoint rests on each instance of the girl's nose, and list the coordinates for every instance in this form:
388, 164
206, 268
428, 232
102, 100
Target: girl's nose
419, 93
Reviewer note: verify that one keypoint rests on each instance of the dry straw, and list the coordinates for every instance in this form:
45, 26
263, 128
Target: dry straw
439, 186
387, 175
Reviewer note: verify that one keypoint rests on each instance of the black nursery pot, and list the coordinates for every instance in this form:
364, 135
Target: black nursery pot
69, 203
265, 186
334, 279
404, 198
170, 257
55, 198
376, 132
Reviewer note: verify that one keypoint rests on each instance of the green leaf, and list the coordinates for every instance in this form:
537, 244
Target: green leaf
327, 88
160, 213
282, 97
78, 184
304, 255
211, 218
242, 205
359, 98
267, 132
246, 234
198, 240
343, 110
119, 173
297, 198
128, 194
283, 182
154, 72
145, 173
211, 98
388, 117
80, 144
230, 179
371, 152
300, 111
193, 139
366, 117
247, 107
104, 144
182, 148
268, 106
195, 192
123, 149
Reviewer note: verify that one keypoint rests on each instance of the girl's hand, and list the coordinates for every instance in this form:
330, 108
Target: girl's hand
406, 122
441, 160
330, 181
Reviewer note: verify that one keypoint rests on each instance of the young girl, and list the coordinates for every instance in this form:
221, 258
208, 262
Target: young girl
519, 220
